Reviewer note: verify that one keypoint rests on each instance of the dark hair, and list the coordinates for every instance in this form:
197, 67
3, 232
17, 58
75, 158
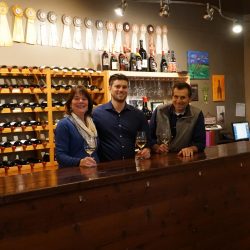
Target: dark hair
79, 89
117, 77
182, 85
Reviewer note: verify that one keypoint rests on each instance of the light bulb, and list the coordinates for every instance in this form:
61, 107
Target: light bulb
237, 28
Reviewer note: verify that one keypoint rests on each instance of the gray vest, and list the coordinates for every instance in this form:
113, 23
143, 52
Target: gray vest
184, 127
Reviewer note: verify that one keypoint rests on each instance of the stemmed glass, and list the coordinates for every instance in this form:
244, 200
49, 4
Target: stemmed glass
164, 138
141, 139
90, 145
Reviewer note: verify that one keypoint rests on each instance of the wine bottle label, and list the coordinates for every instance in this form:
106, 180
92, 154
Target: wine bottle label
105, 61
138, 65
114, 66
144, 63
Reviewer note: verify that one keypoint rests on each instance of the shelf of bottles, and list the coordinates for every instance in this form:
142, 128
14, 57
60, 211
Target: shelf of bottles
32, 100
24, 120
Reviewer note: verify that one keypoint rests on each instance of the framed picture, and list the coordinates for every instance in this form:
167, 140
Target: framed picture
154, 105
198, 65
218, 88
195, 96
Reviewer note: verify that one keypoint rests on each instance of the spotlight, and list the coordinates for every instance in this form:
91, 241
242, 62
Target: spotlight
237, 27
164, 9
120, 10
209, 13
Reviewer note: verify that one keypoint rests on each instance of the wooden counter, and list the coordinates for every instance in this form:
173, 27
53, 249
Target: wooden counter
167, 202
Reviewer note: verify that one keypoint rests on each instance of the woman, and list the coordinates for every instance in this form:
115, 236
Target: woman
74, 132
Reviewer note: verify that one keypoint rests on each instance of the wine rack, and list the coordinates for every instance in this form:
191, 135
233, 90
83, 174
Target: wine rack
31, 101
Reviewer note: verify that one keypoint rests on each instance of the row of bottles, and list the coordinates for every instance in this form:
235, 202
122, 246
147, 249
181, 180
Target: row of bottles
16, 124
32, 105
139, 61
19, 162
34, 69
17, 143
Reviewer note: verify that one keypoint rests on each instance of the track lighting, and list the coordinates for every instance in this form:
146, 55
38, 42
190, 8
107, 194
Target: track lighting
209, 13
210, 9
164, 9
120, 10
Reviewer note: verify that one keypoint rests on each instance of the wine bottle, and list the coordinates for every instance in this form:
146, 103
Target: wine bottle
138, 60
122, 59
32, 160
7, 164
132, 62
105, 60
173, 62
26, 142
35, 141
16, 143
164, 65
34, 123
145, 109
19, 162
113, 62
5, 144
152, 63
143, 53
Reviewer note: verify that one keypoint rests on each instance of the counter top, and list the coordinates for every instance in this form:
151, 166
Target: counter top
49, 182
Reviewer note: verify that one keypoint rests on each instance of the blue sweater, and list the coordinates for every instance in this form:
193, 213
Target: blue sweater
69, 144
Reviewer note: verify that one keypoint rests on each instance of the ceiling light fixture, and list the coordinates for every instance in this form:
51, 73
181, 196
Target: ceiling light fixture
210, 9
237, 27
209, 13
120, 10
164, 9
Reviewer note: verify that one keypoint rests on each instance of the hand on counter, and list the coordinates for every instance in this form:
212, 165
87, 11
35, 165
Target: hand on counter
143, 154
160, 149
188, 152
87, 162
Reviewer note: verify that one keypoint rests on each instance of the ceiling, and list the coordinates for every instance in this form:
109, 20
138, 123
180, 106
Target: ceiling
241, 7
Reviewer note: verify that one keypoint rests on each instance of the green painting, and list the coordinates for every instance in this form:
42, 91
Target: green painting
198, 65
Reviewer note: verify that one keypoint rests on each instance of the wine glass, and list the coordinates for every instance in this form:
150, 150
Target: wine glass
90, 145
164, 138
141, 139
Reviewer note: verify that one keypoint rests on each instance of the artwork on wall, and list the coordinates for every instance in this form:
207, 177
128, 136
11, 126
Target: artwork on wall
195, 96
154, 105
198, 65
218, 85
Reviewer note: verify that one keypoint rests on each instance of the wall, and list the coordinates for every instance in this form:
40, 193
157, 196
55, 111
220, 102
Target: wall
186, 31
247, 64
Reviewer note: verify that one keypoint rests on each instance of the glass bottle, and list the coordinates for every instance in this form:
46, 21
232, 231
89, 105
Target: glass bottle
105, 60
143, 54
145, 109
138, 60
164, 65
122, 61
113, 62
132, 62
152, 63
173, 62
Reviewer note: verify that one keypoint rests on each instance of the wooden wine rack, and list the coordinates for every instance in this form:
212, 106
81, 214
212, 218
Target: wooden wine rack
98, 79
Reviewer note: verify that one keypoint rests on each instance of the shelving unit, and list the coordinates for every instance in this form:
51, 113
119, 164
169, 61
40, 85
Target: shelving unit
34, 91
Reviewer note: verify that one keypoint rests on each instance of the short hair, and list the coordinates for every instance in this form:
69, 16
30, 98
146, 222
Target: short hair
182, 85
117, 77
79, 89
